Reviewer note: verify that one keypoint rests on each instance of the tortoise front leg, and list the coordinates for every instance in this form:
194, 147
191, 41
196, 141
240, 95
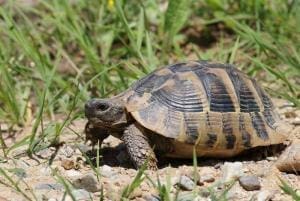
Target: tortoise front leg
138, 147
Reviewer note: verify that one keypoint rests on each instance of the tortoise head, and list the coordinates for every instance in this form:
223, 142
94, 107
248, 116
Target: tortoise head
106, 113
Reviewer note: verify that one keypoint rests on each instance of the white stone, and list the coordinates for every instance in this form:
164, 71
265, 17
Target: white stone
80, 195
107, 171
264, 195
186, 183
72, 173
232, 171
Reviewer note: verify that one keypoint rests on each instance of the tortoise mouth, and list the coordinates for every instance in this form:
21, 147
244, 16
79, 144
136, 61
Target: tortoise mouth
96, 122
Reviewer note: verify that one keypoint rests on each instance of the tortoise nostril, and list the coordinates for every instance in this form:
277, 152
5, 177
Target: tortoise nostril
101, 106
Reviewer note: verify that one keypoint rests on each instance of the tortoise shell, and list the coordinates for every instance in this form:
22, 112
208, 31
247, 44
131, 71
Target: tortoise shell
212, 106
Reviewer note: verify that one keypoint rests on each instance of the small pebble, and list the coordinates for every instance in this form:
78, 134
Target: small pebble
290, 114
72, 173
4, 127
264, 195
271, 158
232, 171
46, 153
67, 151
249, 182
296, 121
206, 178
81, 194
186, 183
82, 148
107, 171
67, 164
88, 182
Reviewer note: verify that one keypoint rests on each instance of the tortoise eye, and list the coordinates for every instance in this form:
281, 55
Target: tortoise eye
102, 106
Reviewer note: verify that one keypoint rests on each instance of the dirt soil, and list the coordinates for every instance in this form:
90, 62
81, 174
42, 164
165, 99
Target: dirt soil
40, 175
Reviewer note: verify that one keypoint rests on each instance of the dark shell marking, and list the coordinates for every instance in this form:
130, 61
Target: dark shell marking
245, 95
191, 124
212, 105
212, 138
246, 137
228, 131
259, 125
218, 96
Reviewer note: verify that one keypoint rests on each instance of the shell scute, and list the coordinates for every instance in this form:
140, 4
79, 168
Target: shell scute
180, 95
246, 98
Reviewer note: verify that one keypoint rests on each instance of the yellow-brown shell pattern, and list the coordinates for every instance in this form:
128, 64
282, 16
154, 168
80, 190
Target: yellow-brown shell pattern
210, 105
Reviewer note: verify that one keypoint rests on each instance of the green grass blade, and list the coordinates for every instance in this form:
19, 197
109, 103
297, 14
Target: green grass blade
2, 143
286, 187
175, 17
14, 184
67, 185
234, 51
36, 125
139, 178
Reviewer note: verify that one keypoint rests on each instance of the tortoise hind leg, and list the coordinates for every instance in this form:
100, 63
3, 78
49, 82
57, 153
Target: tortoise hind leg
138, 147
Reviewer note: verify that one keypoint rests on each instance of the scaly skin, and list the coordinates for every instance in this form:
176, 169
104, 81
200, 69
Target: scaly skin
138, 147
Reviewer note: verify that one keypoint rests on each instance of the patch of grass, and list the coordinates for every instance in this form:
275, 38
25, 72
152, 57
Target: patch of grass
287, 188
266, 30
2, 143
67, 185
96, 168
138, 179
164, 190
222, 196
10, 182
175, 17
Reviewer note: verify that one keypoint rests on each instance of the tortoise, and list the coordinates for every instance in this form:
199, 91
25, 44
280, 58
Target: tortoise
212, 108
